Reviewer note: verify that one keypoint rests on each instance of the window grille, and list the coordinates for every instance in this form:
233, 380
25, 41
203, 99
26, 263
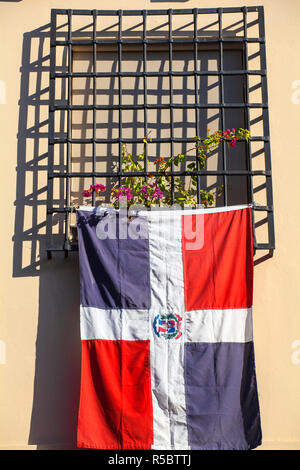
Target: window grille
64, 35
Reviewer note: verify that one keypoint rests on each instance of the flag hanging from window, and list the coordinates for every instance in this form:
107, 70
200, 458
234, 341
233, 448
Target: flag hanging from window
166, 330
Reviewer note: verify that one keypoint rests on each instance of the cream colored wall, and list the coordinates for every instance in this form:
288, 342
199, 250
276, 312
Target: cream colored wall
39, 334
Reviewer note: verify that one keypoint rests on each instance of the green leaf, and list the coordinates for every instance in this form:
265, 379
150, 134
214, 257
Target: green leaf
191, 166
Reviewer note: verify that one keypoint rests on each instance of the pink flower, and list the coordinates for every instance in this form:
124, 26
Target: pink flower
94, 187
99, 188
233, 143
151, 190
123, 191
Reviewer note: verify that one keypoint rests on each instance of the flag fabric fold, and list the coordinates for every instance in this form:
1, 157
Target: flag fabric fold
166, 330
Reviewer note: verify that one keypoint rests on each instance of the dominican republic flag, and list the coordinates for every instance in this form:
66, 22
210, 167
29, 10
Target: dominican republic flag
166, 330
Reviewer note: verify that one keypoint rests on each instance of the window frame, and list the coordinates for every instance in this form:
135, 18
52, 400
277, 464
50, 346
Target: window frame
220, 40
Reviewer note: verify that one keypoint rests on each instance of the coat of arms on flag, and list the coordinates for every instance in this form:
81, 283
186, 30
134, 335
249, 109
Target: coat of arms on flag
167, 326
166, 330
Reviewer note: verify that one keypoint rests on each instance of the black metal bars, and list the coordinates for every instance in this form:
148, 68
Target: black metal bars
156, 12
221, 94
267, 149
145, 91
196, 40
197, 122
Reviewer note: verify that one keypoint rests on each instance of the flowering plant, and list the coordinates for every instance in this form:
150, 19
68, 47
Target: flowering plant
165, 188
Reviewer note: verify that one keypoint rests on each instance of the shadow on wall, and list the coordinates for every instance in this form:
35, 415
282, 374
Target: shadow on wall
57, 369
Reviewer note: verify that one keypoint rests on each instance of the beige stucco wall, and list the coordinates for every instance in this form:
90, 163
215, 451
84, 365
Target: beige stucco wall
39, 322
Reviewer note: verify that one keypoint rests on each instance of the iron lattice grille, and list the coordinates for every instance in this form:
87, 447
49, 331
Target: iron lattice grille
221, 41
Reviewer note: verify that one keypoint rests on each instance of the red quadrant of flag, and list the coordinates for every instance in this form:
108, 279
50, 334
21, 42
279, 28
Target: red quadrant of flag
115, 401
219, 274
